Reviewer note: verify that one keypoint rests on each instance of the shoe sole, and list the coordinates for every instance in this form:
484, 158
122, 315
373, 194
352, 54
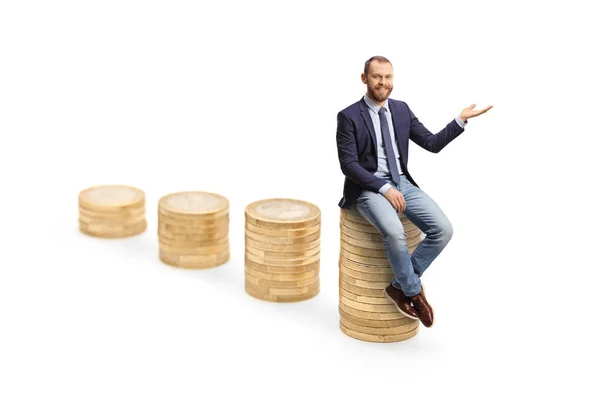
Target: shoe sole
398, 308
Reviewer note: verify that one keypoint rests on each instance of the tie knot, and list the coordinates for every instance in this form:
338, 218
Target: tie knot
381, 111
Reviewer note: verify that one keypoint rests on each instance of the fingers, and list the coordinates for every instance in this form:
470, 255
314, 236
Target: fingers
402, 204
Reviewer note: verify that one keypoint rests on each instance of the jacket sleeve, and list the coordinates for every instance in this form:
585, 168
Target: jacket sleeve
429, 141
348, 156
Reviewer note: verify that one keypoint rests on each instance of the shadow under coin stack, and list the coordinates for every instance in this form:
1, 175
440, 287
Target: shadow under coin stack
193, 229
365, 313
112, 211
282, 250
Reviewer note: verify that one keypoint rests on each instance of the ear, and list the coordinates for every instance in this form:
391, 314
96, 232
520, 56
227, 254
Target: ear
363, 78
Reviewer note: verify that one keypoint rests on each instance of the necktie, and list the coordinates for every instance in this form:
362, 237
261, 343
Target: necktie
389, 150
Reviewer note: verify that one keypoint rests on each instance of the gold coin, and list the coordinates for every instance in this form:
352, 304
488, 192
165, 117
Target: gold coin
193, 261
280, 298
283, 213
284, 248
372, 322
111, 197
278, 262
277, 255
281, 277
378, 338
283, 270
103, 231
283, 240
285, 232
193, 204
278, 284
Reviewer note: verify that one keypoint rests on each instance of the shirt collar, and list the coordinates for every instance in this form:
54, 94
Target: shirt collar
374, 107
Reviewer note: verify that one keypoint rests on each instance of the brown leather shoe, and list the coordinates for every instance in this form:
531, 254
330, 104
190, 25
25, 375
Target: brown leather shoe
401, 302
423, 308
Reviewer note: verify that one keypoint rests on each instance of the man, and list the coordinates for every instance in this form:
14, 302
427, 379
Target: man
372, 142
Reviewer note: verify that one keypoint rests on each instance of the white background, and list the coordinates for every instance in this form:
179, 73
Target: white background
240, 98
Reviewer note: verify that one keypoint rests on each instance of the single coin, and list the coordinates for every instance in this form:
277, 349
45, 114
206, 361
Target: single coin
363, 299
283, 213
281, 277
361, 251
282, 240
113, 214
377, 316
366, 277
315, 266
362, 283
199, 251
169, 234
392, 330
111, 222
281, 298
284, 248
279, 284
278, 262
193, 203
372, 322
187, 243
282, 232
364, 260
360, 291
187, 221
374, 245
378, 338
370, 269
276, 255
277, 291
193, 261
374, 237
374, 308
110, 197
111, 232
362, 220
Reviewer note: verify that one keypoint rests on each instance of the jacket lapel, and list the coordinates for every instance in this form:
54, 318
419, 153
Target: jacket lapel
364, 112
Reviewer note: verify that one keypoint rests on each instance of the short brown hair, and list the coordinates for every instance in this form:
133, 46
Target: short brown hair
374, 58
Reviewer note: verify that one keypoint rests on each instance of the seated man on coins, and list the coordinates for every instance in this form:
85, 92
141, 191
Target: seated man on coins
372, 143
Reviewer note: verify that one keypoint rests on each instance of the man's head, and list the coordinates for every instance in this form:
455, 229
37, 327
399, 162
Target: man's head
378, 75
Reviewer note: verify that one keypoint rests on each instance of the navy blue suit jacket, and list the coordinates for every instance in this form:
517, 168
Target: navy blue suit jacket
357, 148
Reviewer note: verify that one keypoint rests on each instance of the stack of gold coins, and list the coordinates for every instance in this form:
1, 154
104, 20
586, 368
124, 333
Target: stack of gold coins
193, 229
282, 257
365, 312
112, 211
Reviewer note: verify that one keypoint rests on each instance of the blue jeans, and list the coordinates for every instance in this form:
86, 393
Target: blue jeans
422, 211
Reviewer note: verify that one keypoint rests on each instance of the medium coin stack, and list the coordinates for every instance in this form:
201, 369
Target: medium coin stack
282, 250
193, 229
112, 211
364, 272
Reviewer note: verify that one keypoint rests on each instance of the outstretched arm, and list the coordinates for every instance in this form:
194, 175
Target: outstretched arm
436, 142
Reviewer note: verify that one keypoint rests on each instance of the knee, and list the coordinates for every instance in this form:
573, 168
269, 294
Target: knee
393, 232
445, 232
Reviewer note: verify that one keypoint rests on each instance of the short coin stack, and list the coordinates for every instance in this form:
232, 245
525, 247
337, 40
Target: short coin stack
365, 313
193, 229
112, 211
282, 250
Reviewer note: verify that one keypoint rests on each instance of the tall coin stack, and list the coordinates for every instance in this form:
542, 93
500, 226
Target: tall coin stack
112, 211
364, 272
193, 229
282, 250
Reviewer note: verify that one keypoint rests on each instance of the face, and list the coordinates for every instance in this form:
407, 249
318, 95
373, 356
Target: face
379, 81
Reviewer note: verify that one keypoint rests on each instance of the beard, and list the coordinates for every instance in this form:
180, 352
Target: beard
378, 96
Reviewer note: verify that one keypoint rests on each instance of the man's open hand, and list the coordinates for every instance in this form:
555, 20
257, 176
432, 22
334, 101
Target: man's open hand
396, 199
469, 112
